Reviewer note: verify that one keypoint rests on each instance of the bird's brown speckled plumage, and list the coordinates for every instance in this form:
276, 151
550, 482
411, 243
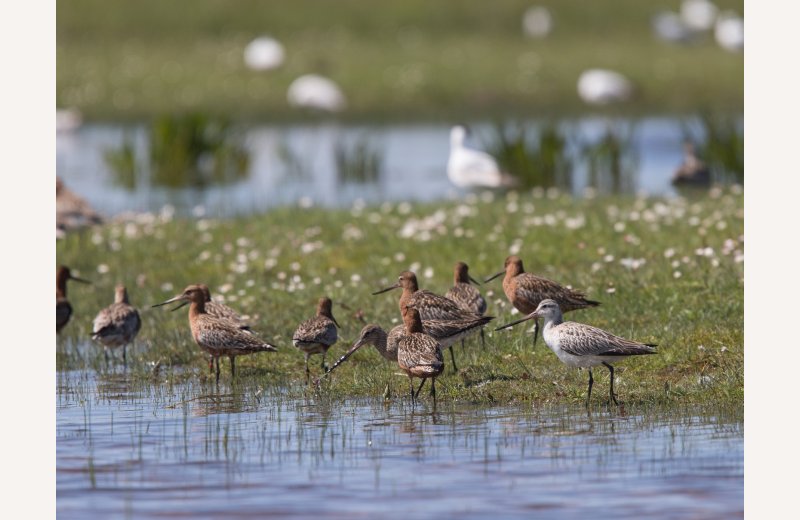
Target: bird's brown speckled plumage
222, 311
525, 290
464, 293
418, 354
317, 334
118, 324
217, 336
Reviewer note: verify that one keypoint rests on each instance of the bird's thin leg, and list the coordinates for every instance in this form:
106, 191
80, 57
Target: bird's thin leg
308, 372
105, 355
216, 364
453, 357
420, 388
535, 332
411, 384
611, 387
124, 356
483, 339
324, 368
211, 364
433, 389
589, 393
233, 366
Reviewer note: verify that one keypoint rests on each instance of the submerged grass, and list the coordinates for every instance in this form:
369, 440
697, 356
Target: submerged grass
668, 271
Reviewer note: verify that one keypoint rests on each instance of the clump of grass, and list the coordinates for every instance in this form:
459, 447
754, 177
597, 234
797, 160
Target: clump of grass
611, 160
719, 141
187, 150
362, 162
540, 158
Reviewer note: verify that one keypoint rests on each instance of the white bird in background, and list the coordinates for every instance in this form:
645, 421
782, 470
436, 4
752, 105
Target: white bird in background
313, 91
698, 15
468, 168
264, 53
729, 31
537, 22
602, 87
670, 27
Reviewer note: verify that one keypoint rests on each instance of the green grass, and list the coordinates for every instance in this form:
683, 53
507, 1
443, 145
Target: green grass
696, 318
403, 60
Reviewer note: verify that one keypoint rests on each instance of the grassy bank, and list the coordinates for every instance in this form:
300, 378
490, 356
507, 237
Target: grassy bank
666, 271
405, 60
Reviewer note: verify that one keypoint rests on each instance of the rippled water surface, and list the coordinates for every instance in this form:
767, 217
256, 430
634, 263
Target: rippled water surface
167, 450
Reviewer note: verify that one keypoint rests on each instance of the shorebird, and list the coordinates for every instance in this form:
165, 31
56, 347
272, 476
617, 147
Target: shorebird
317, 334
526, 290
603, 87
468, 168
316, 92
466, 295
72, 211
217, 336
581, 345
434, 307
418, 354
693, 171
220, 310
117, 325
63, 307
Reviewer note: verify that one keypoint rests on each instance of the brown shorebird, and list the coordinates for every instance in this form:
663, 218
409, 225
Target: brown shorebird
418, 354
581, 345
526, 290
466, 295
72, 212
63, 307
693, 171
217, 336
117, 325
317, 334
220, 310
432, 306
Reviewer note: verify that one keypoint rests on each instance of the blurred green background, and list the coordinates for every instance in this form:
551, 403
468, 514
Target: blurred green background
410, 60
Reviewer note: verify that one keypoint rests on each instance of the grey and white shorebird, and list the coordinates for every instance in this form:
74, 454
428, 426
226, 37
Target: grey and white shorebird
316, 335
418, 354
117, 325
217, 336
432, 307
465, 294
583, 346
63, 307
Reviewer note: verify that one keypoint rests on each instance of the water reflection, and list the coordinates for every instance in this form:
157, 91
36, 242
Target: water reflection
333, 165
180, 449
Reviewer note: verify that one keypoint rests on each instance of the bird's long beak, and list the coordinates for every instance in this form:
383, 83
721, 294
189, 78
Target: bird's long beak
183, 304
494, 276
395, 286
473, 280
335, 322
357, 345
531, 316
81, 280
173, 299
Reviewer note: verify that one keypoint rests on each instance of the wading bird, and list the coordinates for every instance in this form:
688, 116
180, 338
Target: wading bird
465, 294
217, 336
117, 325
317, 334
418, 354
63, 307
581, 345
526, 290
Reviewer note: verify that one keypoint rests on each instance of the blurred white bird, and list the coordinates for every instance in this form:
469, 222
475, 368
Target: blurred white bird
468, 168
313, 91
670, 27
264, 53
537, 22
729, 31
698, 15
601, 87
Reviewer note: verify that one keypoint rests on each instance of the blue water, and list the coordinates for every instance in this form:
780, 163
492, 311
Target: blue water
414, 166
168, 450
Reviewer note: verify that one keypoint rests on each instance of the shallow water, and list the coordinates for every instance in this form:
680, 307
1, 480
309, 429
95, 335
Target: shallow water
414, 166
167, 450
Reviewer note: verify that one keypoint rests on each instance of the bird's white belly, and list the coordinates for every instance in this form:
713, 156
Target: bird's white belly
571, 360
